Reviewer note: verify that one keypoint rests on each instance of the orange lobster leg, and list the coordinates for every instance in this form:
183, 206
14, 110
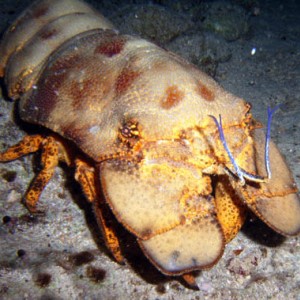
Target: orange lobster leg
85, 175
29, 144
49, 161
230, 210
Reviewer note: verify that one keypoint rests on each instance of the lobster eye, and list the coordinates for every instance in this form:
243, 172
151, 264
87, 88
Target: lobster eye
126, 132
130, 130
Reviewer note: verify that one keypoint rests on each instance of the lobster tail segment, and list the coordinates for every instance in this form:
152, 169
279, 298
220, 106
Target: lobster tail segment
37, 33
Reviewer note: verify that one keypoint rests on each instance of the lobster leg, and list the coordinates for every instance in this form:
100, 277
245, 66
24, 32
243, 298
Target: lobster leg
231, 211
49, 161
28, 145
85, 175
189, 278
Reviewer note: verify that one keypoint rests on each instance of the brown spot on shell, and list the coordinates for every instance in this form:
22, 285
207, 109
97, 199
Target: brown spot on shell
48, 34
205, 92
40, 11
125, 79
111, 46
78, 91
172, 98
91, 88
46, 95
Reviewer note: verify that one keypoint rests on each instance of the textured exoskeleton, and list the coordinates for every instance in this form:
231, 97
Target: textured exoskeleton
135, 120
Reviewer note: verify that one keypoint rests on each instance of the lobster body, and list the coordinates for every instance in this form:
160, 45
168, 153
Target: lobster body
139, 118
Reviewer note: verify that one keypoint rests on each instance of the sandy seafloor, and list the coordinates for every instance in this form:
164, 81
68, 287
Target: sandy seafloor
61, 255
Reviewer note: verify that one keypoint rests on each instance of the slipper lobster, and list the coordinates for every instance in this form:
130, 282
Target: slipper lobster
140, 125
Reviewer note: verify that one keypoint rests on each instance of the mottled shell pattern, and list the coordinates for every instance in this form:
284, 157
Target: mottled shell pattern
140, 117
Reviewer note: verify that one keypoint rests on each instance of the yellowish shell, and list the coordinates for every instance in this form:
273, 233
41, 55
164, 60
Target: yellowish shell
135, 121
